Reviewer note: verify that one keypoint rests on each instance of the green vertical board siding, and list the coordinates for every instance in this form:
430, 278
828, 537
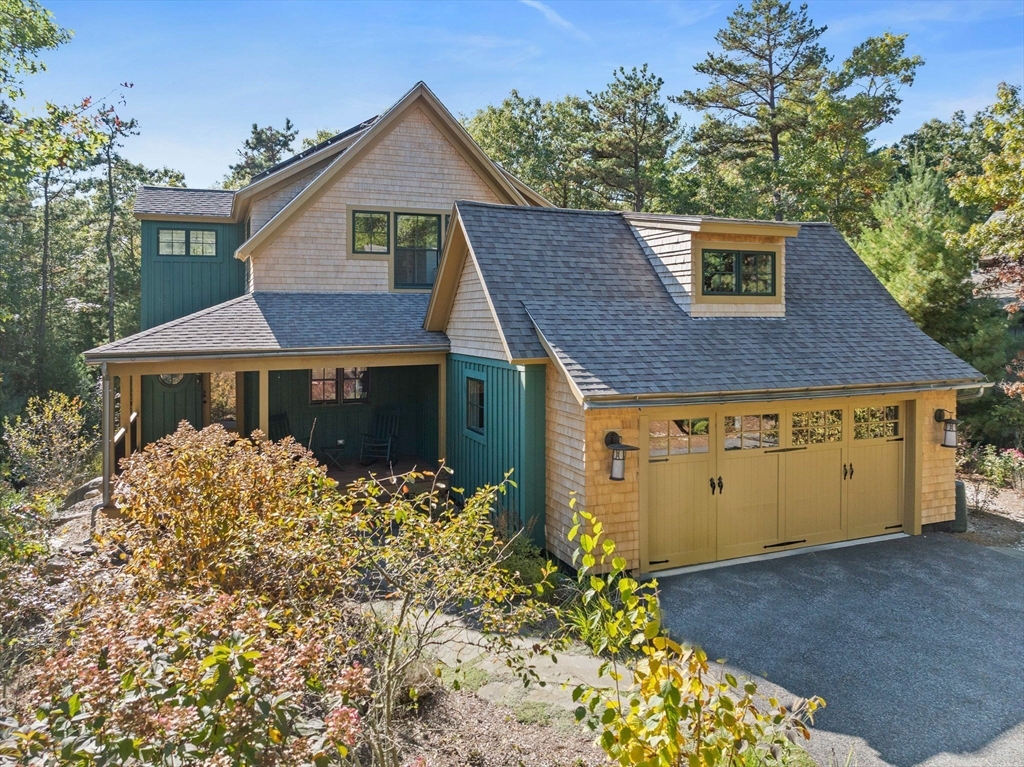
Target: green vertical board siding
513, 437
164, 407
412, 388
174, 286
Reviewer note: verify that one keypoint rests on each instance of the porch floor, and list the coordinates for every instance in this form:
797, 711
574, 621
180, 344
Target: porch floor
353, 470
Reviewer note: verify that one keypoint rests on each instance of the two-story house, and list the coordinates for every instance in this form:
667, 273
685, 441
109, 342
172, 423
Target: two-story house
710, 388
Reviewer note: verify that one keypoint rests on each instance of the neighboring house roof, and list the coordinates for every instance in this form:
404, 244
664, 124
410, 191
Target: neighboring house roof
314, 149
578, 286
272, 323
181, 201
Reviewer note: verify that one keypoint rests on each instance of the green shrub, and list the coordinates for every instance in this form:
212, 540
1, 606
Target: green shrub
667, 708
50, 445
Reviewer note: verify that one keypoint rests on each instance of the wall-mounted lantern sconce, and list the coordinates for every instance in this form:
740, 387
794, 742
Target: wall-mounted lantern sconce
949, 429
614, 442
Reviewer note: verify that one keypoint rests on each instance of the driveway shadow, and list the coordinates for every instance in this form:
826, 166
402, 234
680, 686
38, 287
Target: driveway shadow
916, 644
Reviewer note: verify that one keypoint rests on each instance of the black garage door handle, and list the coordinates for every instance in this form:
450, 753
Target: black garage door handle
720, 486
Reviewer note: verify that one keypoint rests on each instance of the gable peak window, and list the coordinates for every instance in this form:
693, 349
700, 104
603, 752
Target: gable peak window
186, 242
737, 272
417, 249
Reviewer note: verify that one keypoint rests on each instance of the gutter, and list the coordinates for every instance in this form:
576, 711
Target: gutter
601, 402
101, 359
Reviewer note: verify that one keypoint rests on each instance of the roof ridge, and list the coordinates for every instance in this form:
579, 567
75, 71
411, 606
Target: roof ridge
186, 188
538, 209
313, 149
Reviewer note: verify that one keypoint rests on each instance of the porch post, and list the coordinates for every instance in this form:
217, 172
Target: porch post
107, 436
204, 385
240, 403
264, 423
442, 410
137, 408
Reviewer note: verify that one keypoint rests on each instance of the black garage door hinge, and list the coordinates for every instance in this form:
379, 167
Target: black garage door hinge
657, 562
784, 543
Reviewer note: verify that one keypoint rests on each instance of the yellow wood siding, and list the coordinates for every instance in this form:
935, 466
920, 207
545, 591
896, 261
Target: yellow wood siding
564, 452
266, 207
616, 504
471, 327
669, 254
413, 166
938, 464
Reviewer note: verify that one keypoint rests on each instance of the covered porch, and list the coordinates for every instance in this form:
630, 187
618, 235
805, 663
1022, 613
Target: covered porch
383, 376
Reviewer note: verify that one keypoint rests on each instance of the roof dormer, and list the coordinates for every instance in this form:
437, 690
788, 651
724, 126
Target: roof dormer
714, 267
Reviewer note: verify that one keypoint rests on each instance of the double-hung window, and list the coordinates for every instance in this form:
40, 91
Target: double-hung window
417, 249
186, 242
737, 273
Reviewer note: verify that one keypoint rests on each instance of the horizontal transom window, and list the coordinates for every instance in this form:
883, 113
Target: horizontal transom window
737, 273
186, 242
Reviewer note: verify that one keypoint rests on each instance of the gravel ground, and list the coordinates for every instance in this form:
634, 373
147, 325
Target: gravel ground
995, 516
458, 729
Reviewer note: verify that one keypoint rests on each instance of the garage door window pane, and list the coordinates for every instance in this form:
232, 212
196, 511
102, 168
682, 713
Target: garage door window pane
686, 436
752, 432
815, 427
657, 438
876, 422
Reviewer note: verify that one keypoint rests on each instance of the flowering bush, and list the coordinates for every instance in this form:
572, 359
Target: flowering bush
1005, 468
211, 677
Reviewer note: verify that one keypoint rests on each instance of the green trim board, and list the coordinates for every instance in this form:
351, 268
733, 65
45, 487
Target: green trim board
513, 437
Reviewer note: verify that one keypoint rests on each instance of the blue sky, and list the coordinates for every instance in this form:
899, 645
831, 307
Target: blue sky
203, 72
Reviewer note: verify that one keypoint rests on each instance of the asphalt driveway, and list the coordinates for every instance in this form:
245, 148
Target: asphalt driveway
916, 644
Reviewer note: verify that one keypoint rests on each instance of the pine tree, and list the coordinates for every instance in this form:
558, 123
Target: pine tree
264, 148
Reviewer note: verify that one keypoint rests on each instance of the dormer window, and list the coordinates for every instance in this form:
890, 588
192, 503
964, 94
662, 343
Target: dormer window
737, 273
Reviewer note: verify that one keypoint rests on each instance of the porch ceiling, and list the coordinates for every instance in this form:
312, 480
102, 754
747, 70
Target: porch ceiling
285, 325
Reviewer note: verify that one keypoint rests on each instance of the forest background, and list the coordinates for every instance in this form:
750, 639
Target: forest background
785, 132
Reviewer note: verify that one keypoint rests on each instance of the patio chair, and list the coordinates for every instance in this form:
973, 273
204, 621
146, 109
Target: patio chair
278, 428
382, 439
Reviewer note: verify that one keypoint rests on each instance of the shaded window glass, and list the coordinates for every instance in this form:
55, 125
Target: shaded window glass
751, 432
738, 273
323, 386
202, 243
475, 405
171, 242
371, 232
876, 422
813, 427
417, 249
355, 384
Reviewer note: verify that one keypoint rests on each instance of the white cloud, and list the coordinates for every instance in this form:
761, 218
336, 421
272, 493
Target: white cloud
555, 18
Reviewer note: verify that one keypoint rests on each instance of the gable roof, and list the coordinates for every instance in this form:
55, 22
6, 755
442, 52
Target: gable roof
269, 323
182, 201
577, 286
419, 96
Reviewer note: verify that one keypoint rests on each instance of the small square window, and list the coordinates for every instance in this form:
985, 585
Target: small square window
475, 405
371, 232
323, 386
202, 243
171, 242
355, 384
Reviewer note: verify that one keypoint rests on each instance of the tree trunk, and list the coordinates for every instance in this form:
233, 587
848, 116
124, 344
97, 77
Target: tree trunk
110, 239
44, 292
776, 158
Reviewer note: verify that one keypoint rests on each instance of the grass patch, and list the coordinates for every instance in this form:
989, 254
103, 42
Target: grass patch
466, 676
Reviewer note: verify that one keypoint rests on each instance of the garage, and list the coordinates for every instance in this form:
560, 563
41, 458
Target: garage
744, 480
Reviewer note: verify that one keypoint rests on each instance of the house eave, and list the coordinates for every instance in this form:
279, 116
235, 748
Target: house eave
606, 401
327, 351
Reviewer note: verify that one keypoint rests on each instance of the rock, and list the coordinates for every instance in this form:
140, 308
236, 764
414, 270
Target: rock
80, 493
93, 494
56, 565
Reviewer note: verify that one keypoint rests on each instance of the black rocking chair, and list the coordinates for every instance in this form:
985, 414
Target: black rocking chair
382, 441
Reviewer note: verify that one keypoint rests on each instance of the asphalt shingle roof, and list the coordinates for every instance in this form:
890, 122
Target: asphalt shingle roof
585, 282
279, 323
181, 201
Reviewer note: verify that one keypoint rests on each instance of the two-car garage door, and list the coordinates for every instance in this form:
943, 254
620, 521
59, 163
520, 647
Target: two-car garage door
737, 482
